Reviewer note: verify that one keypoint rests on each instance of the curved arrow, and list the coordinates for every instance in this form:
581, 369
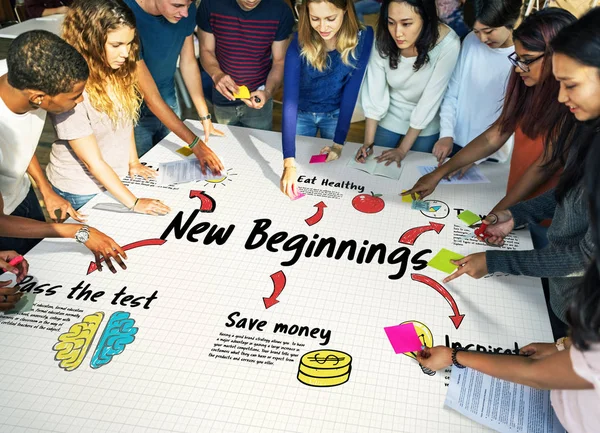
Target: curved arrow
410, 236
93, 267
278, 286
318, 215
207, 203
457, 318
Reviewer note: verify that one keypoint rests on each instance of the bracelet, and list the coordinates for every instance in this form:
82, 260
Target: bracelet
203, 118
136, 202
454, 361
193, 143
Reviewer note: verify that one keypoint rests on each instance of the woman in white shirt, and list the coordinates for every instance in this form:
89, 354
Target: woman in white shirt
406, 79
476, 90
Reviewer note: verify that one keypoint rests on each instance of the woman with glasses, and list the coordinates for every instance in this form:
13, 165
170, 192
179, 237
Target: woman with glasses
571, 367
531, 112
474, 97
407, 75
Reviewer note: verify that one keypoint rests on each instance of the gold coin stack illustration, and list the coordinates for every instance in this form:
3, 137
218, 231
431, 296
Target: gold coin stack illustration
324, 368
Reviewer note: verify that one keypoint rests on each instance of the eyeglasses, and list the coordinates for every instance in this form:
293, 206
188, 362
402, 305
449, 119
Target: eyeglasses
523, 64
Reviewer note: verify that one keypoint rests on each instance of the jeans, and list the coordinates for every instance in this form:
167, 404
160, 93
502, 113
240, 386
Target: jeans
242, 115
149, 129
309, 123
76, 200
29, 208
387, 138
366, 7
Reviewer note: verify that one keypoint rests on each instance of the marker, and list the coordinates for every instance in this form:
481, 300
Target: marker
15, 261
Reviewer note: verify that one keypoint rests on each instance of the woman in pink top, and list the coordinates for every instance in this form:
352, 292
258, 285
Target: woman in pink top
571, 367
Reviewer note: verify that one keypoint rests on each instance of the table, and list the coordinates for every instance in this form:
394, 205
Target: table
232, 317
50, 23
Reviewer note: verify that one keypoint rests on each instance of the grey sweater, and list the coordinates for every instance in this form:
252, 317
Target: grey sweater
570, 246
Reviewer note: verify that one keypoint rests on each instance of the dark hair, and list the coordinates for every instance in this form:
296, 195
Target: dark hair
583, 314
386, 45
536, 109
497, 13
40, 60
581, 42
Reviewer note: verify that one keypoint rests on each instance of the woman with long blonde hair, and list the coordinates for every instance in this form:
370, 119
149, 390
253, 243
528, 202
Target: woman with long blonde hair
96, 146
324, 67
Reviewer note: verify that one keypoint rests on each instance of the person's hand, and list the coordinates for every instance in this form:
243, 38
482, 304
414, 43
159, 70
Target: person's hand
538, 350
473, 265
435, 358
139, 169
226, 86
442, 148
257, 99
20, 270
288, 181
333, 152
424, 186
460, 173
59, 209
105, 249
9, 296
151, 207
500, 224
393, 155
363, 153
207, 158
209, 129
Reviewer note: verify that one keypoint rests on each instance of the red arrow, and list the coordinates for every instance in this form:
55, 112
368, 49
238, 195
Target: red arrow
457, 318
278, 286
410, 236
318, 215
207, 203
93, 267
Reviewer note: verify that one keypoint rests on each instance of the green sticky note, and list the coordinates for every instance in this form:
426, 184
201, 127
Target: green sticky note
441, 261
25, 304
469, 218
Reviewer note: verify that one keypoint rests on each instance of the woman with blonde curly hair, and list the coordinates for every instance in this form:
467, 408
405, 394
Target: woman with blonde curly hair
324, 67
96, 145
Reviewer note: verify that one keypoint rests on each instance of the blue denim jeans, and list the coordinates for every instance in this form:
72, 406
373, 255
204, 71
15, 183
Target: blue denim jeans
149, 129
366, 7
242, 115
29, 208
386, 138
309, 124
76, 200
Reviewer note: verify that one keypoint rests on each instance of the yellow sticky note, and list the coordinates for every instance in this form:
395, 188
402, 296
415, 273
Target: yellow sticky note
185, 151
243, 93
441, 260
408, 198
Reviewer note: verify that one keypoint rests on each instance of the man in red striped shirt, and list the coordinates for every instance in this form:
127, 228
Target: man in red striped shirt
243, 42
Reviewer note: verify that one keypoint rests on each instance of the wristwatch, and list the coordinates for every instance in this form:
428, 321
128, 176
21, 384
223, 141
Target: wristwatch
82, 235
560, 344
203, 118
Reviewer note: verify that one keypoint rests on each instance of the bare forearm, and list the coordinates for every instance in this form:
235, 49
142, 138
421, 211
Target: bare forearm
35, 171
275, 78
193, 82
18, 227
109, 179
409, 139
210, 64
370, 128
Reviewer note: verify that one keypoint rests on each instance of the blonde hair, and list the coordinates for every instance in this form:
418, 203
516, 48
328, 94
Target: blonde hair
115, 92
312, 46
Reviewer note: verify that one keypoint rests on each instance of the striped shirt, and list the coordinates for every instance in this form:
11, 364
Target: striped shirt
244, 38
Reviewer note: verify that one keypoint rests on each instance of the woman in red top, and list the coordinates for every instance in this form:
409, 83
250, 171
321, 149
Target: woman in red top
531, 111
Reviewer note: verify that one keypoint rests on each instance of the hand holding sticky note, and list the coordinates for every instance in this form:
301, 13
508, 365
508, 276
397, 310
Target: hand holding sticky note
243, 93
317, 159
441, 261
404, 338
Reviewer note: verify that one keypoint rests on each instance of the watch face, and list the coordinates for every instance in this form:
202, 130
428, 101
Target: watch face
82, 236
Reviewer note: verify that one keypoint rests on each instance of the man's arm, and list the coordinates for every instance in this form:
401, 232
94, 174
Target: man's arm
161, 109
275, 77
208, 57
53, 201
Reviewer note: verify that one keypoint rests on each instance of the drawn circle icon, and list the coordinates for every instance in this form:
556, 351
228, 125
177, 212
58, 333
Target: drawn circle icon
437, 209
324, 368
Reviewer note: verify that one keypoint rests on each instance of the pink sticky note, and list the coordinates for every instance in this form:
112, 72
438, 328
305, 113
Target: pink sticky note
404, 338
316, 159
300, 195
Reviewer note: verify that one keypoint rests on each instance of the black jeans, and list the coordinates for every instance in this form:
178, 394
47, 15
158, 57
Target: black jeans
29, 208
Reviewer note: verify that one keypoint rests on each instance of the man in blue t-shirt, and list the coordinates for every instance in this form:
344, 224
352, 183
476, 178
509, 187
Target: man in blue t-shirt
243, 42
165, 29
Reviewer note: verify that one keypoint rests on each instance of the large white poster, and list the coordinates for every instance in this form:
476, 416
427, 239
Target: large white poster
244, 311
